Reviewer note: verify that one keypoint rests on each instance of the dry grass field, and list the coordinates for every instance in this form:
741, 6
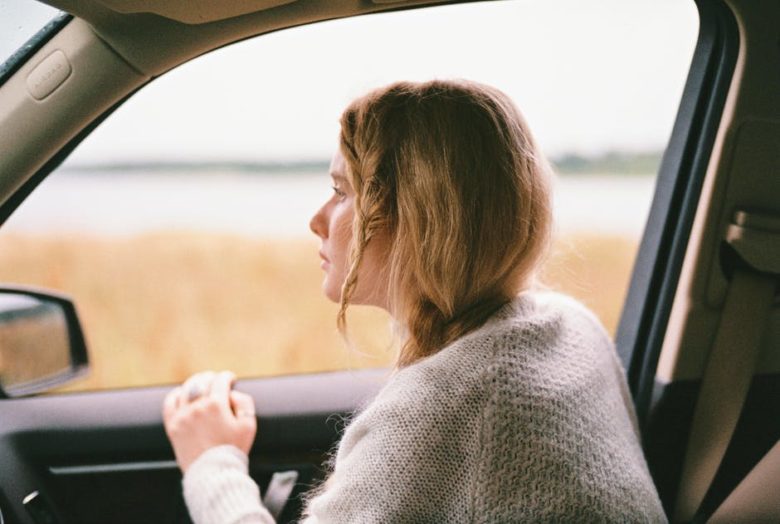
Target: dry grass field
158, 307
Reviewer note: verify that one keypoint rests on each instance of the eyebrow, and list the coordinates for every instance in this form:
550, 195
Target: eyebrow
338, 177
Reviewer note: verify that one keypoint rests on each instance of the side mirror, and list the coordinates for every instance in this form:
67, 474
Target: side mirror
41, 342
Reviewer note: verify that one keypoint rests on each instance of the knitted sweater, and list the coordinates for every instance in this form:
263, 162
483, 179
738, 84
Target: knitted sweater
526, 419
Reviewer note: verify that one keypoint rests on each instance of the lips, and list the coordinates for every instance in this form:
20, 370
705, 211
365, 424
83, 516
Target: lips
325, 264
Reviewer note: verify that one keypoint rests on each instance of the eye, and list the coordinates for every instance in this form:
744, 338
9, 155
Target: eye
339, 192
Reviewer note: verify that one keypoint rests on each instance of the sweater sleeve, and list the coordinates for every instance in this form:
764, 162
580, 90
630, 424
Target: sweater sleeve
218, 489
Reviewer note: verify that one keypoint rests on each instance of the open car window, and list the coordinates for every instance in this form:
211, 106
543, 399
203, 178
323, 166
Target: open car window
180, 226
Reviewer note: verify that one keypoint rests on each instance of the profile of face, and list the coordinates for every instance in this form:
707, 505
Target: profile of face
332, 223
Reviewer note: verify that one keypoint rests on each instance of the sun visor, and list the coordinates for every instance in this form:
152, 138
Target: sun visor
192, 11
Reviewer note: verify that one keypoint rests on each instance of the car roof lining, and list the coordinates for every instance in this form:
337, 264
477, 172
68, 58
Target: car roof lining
192, 11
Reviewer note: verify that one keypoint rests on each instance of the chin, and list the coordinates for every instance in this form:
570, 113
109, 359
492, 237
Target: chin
331, 292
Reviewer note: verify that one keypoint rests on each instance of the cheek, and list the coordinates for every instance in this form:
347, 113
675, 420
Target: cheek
340, 229
342, 232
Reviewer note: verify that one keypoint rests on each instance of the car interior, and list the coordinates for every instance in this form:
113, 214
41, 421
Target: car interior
699, 334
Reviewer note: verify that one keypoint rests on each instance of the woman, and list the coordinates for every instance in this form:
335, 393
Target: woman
506, 404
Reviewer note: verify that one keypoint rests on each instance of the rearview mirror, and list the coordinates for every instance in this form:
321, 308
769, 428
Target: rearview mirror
41, 342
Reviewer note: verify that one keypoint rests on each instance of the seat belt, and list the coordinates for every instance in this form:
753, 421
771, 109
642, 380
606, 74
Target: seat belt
757, 497
755, 239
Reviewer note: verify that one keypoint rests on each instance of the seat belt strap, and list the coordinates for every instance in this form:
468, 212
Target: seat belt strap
757, 497
732, 360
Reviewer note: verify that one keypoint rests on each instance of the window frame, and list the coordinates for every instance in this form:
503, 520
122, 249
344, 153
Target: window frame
653, 282
659, 261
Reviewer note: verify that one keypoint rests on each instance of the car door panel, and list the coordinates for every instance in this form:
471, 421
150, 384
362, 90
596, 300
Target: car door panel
106, 453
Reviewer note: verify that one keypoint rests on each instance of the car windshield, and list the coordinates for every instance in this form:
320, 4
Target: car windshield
19, 21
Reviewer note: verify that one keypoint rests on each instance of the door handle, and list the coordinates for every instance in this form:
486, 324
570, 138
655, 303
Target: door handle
279, 490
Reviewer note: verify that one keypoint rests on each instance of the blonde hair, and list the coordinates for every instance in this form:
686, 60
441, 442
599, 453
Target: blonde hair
450, 172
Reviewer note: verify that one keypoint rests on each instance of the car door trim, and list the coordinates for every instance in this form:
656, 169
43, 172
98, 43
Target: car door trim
119, 467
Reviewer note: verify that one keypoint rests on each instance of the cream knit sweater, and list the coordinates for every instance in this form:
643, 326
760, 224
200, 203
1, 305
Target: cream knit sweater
526, 419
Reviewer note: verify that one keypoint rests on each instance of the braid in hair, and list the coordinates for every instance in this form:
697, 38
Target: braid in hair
360, 241
371, 197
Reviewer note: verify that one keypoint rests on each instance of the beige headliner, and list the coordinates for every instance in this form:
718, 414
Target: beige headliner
191, 11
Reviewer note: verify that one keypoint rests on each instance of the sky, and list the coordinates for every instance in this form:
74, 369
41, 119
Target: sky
590, 77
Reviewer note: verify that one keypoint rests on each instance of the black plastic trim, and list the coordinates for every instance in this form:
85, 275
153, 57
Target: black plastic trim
662, 250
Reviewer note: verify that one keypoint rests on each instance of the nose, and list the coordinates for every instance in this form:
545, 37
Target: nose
318, 223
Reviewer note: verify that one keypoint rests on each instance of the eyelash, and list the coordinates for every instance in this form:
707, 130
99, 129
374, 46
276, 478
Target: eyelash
338, 192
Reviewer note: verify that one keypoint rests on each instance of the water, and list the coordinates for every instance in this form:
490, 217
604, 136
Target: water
605, 204
272, 205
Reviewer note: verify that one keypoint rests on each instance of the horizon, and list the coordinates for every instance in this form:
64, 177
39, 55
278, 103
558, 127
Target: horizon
609, 162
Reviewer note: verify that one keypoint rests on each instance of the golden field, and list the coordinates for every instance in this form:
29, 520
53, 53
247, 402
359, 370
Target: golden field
158, 307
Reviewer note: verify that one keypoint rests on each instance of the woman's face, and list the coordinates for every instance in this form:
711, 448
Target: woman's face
333, 224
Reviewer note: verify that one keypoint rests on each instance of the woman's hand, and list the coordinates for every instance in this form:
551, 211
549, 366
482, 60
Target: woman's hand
204, 413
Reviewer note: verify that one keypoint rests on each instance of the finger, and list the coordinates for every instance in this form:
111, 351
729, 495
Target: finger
179, 397
171, 402
205, 378
220, 388
197, 386
245, 421
243, 405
